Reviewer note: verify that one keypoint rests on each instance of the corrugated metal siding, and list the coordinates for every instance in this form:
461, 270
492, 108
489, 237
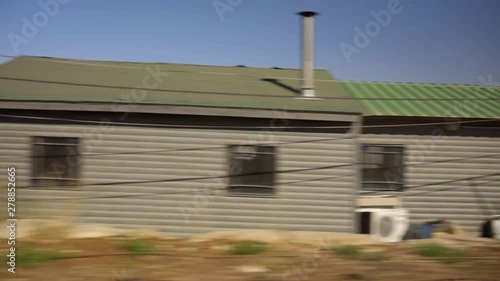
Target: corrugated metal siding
454, 201
188, 207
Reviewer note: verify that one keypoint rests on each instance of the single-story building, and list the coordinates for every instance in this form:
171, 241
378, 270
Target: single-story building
187, 149
179, 148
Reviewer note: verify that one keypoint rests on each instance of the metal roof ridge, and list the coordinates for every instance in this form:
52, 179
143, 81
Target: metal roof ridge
416, 84
103, 62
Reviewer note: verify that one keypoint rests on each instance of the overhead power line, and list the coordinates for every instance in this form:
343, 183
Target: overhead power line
205, 148
282, 171
400, 166
409, 188
115, 64
452, 181
401, 125
204, 177
215, 147
224, 188
148, 125
446, 182
237, 94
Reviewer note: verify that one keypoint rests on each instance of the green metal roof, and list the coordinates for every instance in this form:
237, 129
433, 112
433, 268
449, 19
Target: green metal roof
51, 79
425, 100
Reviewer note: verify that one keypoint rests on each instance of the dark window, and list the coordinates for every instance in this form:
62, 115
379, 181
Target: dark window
55, 161
251, 170
383, 167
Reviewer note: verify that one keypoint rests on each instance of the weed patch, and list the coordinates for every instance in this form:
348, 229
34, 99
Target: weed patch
440, 253
248, 248
356, 253
31, 256
138, 246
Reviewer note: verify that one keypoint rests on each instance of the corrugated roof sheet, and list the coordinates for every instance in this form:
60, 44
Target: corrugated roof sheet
425, 100
50, 79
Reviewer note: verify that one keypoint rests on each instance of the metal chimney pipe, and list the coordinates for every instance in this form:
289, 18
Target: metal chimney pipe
308, 54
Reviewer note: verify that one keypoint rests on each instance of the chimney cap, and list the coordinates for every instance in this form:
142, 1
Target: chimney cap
307, 13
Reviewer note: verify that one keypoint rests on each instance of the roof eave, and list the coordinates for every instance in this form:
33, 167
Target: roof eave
183, 110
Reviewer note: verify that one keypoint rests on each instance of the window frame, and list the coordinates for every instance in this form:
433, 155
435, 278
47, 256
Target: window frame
270, 188
386, 185
39, 163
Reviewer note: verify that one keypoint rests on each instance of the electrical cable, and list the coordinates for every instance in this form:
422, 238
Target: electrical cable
236, 94
441, 123
207, 148
204, 177
114, 65
229, 176
246, 127
442, 183
406, 165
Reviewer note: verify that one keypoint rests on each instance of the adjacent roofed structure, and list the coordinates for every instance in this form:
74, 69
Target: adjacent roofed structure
425, 100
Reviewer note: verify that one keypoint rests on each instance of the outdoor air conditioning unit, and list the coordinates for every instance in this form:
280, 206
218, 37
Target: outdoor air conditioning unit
387, 225
496, 227
491, 228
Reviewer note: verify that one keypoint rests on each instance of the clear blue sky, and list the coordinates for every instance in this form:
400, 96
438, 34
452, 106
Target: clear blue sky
445, 41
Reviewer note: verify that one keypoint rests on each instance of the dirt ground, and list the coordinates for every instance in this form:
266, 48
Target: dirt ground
177, 259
